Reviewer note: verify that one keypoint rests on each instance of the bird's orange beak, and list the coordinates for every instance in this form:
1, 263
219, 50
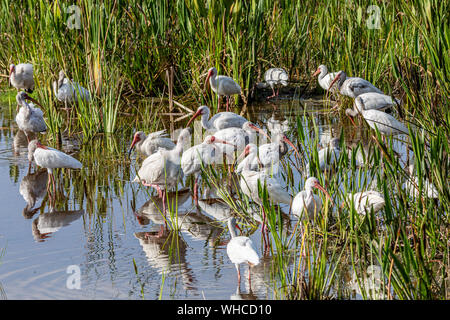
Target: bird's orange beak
335, 79
318, 186
316, 73
289, 142
135, 140
223, 141
259, 130
11, 70
207, 79
351, 119
199, 112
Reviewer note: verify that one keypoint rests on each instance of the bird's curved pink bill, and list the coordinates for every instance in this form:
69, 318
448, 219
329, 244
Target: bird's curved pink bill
318, 186
135, 140
198, 113
289, 142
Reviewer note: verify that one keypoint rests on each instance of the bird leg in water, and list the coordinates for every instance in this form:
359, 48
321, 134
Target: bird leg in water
273, 94
196, 191
238, 272
264, 231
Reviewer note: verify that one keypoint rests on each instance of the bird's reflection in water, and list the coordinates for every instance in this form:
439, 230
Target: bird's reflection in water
182, 216
239, 295
33, 187
50, 222
166, 252
20, 143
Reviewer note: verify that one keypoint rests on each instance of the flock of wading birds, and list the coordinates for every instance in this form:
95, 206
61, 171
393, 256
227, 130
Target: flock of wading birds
166, 162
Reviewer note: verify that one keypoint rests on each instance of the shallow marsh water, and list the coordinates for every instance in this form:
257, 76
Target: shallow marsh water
102, 221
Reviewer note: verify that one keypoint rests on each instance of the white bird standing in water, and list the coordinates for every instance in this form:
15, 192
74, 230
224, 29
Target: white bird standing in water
238, 138
328, 156
377, 101
365, 202
325, 78
276, 77
412, 186
21, 76
353, 86
67, 91
148, 145
29, 118
50, 159
205, 153
219, 121
307, 201
386, 124
249, 184
162, 170
240, 249
222, 85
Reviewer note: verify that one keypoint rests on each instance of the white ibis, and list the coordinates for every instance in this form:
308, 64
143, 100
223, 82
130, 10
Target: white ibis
307, 201
276, 77
325, 77
270, 154
365, 202
412, 186
240, 249
21, 76
219, 121
162, 170
148, 145
29, 118
328, 156
50, 159
275, 125
375, 100
222, 85
204, 154
250, 179
67, 91
238, 138
353, 86
386, 124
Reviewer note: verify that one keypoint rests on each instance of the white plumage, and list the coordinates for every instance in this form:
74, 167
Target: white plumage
412, 186
367, 201
29, 118
50, 158
328, 156
222, 85
307, 201
276, 77
377, 101
21, 76
148, 145
162, 169
325, 78
219, 121
276, 192
240, 249
386, 124
353, 86
238, 138
202, 154
67, 91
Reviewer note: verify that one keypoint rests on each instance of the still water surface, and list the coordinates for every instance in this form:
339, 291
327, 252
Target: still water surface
104, 235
